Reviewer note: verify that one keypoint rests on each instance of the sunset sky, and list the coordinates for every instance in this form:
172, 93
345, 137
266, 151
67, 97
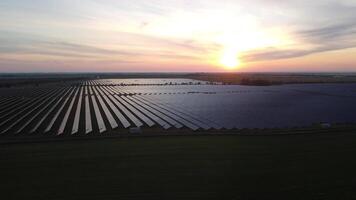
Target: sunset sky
177, 36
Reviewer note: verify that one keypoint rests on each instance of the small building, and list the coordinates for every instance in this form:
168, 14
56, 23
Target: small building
135, 130
325, 125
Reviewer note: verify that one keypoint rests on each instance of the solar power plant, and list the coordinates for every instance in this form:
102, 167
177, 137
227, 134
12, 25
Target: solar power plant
99, 106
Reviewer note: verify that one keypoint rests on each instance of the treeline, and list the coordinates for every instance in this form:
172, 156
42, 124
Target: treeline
8, 83
265, 79
257, 82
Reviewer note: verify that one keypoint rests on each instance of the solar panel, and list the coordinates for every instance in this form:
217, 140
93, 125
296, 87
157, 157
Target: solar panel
157, 113
122, 119
145, 119
107, 113
75, 127
88, 123
16, 118
133, 118
99, 118
54, 118
58, 101
33, 116
144, 110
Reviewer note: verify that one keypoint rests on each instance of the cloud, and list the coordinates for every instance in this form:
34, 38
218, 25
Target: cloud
141, 47
84, 49
56, 48
321, 39
325, 34
264, 55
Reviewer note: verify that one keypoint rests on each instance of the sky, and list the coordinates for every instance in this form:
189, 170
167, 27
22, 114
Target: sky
177, 35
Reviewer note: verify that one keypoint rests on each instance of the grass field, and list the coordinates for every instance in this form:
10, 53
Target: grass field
318, 166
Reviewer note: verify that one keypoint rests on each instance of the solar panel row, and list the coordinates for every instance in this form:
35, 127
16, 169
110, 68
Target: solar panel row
89, 107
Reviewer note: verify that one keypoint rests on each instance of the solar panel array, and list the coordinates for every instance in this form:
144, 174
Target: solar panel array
94, 106
112, 106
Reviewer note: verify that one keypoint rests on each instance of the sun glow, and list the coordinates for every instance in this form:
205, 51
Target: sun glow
235, 44
229, 59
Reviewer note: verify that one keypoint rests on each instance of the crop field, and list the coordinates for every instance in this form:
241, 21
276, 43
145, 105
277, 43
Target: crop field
100, 106
315, 166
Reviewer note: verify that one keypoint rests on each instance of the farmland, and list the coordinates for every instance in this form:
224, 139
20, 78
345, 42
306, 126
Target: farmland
314, 166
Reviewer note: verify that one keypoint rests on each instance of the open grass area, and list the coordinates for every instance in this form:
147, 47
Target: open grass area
317, 166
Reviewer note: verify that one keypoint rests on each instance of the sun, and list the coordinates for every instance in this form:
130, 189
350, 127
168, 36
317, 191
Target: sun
230, 60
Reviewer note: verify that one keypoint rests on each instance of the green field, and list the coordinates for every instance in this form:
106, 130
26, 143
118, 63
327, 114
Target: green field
318, 166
